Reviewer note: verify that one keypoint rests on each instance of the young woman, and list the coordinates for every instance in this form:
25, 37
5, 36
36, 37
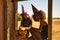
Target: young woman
26, 24
42, 32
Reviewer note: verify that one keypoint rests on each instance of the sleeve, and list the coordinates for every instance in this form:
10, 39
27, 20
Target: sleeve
44, 32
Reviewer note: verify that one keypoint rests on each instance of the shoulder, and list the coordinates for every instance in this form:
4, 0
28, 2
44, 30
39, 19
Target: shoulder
45, 24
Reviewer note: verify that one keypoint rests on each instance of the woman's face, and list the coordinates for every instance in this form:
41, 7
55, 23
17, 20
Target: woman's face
37, 17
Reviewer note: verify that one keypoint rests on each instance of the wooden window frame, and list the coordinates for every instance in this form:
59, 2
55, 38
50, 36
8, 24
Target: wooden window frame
15, 21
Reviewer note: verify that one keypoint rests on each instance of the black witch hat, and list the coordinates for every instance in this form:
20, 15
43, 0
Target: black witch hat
35, 11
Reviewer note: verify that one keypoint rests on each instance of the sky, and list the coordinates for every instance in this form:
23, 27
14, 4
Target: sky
40, 5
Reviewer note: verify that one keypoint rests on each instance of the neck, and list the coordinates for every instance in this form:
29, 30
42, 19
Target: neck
42, 21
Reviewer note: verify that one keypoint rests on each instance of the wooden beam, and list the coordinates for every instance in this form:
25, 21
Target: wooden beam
49, 19
1, 20
22, 0
4, 20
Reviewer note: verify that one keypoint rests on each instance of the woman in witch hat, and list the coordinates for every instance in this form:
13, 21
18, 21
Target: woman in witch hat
26, 24
42, 32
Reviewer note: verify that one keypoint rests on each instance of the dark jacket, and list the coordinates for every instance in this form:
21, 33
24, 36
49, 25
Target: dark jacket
40, 34
44, 31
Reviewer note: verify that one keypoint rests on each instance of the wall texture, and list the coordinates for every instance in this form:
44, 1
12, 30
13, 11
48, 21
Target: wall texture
1, 22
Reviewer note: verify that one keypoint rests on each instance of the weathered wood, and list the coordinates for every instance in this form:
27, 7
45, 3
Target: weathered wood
11, 19
4, 20
1, 20
49, 19
22, 0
